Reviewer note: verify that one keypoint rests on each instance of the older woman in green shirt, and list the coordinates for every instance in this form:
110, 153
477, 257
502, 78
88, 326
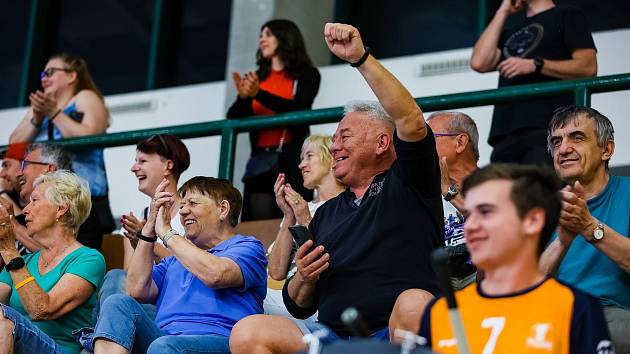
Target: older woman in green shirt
48, 294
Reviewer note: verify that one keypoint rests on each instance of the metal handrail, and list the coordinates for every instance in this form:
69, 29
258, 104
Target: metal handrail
228, 128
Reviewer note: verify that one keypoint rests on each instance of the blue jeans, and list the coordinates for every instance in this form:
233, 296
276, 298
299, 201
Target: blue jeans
327, 335
125, 322
114, 283
28, 338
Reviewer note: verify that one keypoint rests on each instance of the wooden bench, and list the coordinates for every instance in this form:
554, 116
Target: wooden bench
264, 230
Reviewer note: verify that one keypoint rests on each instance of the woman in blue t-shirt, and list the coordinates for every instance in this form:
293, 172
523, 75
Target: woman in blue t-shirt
47, 295
70, 105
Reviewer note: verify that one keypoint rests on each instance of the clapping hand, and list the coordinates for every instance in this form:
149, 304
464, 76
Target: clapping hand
43, 105
161, 200
246, 86
281, 201
7, 235
298, 205
575, 216
131, 226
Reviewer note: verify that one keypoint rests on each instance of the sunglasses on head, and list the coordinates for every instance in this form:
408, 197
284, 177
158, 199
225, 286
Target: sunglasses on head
167, 151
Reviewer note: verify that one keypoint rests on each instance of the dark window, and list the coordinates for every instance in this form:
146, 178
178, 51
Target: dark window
404, 27
204, 35
13, 31
112, 36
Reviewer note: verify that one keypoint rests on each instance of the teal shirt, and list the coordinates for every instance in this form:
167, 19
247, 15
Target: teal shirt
84, 262
587, 268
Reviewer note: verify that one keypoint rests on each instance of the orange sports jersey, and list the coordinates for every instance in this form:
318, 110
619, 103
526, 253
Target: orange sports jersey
549, 317
281, 85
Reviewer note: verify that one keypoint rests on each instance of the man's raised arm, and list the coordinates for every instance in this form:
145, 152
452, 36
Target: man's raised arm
345, 42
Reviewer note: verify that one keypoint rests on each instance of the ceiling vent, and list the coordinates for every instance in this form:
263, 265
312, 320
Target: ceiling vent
133, 107
445, 67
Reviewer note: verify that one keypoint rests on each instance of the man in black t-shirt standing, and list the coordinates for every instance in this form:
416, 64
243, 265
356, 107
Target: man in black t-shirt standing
374, 240
550, 43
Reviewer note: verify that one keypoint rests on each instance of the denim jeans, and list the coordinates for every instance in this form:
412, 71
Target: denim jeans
28, 338
125, 322
114, 283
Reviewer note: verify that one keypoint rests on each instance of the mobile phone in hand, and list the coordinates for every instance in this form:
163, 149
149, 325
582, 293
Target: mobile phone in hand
300, 234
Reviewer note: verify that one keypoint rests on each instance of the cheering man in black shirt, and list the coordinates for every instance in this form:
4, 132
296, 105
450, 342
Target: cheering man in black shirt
372, 241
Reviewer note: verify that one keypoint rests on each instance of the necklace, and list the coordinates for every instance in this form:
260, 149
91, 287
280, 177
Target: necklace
46, 263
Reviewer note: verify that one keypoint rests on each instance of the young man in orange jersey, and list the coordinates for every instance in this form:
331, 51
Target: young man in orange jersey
511, 212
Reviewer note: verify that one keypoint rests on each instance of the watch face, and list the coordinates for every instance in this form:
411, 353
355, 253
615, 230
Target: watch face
598, 234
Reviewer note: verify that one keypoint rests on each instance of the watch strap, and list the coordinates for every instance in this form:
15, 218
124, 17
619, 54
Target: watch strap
150, 239
362, 60
451, 192
15, 264
539, 63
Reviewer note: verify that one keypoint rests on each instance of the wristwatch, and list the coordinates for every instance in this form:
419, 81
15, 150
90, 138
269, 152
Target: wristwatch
168, 236
15, 264
598, 233
539, 63
451, 192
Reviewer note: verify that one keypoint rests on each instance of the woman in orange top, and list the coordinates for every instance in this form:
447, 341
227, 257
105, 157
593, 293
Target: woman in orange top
285, 81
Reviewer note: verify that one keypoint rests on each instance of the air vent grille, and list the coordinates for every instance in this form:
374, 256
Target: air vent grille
445, 67
134, 107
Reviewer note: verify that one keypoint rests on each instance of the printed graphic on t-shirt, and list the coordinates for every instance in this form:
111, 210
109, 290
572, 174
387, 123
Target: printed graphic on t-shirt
523, 41
453, 225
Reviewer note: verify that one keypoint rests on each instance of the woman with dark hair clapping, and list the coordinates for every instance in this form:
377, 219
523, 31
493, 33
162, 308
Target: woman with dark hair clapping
285, 81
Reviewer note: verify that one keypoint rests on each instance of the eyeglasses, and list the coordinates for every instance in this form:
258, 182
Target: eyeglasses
445, 134
29, 162
167, 151
51, 71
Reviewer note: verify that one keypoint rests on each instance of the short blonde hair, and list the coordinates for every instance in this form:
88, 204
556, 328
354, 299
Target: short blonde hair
323, 143
66, 188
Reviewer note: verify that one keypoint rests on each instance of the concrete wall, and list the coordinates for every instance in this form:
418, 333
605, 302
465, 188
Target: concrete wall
340, 83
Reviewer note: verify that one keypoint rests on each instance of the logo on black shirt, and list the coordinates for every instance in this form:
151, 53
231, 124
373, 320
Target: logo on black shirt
523, 41
375, 188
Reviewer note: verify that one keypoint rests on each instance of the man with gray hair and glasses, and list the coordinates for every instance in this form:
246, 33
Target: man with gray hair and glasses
591, 249
40, 158
374, 240
456, 139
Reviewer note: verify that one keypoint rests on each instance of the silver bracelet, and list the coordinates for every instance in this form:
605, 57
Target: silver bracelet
168, 236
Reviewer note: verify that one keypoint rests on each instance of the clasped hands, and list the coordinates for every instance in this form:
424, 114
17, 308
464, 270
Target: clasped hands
575, 218
246, 86
43, 105
159, 220
7, 234
293, 206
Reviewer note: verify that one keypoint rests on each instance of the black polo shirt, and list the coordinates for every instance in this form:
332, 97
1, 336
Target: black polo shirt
382, 246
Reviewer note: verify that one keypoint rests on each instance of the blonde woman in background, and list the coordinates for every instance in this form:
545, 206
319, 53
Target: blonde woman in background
316, 168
